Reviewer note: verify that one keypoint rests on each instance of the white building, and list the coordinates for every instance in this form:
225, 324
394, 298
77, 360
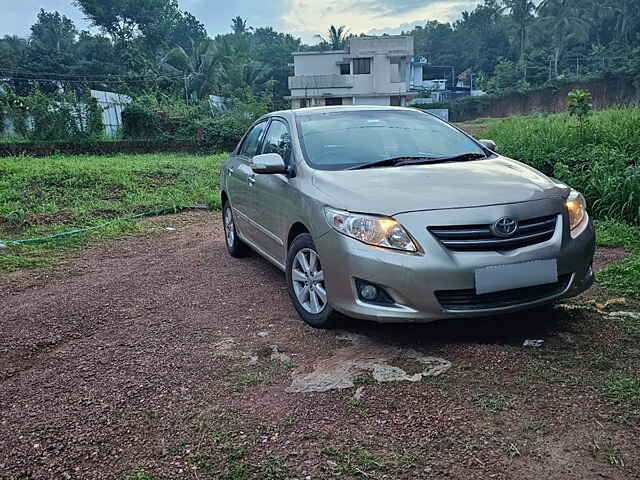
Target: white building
372, 71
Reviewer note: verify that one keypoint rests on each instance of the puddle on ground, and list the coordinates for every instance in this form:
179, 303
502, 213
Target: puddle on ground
365, 356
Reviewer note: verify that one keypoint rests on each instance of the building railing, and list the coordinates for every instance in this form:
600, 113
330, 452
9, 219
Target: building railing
320, 81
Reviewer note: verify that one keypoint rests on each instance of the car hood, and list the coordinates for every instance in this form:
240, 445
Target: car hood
394, 190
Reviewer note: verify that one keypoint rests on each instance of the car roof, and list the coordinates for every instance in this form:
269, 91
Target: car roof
300, 112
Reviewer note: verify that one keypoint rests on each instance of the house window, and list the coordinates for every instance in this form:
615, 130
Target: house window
345, 69
361, 66
333, 101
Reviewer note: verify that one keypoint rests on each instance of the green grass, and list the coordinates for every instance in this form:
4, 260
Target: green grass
361, 462
493, 402
44, 196
624, 395
623, 277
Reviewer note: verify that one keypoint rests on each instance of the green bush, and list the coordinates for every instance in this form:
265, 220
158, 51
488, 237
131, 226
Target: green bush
600, 158
153, 117
62, 117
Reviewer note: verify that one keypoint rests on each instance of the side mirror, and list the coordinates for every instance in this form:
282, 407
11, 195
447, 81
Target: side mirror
268, 163
490, 144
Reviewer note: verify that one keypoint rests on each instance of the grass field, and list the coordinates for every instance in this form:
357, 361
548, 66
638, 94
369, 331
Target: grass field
46, 196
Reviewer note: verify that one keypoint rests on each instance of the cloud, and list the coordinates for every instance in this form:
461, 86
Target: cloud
303, 18
306, 18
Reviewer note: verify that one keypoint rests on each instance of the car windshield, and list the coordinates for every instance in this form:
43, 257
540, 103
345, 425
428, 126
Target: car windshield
338, 140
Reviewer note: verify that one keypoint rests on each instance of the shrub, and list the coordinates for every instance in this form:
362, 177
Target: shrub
40, 117
579, 105
153, 116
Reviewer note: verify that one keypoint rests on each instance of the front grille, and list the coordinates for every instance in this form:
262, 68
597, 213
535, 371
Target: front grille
468, 300
480, 237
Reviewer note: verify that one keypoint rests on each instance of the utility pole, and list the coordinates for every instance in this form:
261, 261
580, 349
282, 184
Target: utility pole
186, 89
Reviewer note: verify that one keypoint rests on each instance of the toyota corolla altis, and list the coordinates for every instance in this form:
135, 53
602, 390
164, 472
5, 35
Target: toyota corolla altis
393, 215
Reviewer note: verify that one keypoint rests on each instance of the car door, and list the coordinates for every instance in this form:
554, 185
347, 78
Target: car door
272, 193
240, 178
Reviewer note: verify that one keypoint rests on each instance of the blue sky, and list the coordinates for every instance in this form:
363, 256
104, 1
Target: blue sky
304, 18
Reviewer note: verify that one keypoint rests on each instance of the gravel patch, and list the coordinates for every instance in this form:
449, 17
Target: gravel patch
163, 355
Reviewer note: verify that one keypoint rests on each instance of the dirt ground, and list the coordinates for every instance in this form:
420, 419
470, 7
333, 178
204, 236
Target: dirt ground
162, 357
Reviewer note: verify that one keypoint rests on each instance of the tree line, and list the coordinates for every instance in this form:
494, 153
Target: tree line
153, 45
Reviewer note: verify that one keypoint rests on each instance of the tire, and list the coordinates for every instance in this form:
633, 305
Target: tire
317, 313
236, 247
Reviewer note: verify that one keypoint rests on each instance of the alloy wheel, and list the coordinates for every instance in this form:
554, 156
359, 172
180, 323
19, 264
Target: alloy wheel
308, 281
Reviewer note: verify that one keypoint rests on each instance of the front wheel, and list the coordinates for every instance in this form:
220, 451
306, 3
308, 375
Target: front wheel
306, 285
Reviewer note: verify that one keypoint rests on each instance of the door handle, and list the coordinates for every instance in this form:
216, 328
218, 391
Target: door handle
251, 180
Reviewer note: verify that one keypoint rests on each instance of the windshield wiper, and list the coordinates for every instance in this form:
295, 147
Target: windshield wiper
454, 158
390, 162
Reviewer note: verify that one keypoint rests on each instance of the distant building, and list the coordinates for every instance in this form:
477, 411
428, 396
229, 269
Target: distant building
112, 105
371, 71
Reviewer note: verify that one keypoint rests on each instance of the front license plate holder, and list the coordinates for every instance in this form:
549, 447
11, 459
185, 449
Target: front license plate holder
497, 278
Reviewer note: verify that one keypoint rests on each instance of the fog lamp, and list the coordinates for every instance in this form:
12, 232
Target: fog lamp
368, 292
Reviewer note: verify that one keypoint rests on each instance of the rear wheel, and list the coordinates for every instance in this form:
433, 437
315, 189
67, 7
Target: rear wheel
305, 281
236, 247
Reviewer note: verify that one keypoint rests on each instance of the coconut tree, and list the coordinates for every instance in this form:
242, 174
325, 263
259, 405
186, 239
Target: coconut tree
201, 69
239, 25
336, 37
563, 20
521, 12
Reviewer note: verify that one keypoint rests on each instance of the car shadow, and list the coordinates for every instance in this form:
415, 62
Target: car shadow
505, 329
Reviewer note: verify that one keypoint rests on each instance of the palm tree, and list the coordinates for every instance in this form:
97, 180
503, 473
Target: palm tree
239, 25
201, 69
624, 10
521, 13
336, 38
565, 24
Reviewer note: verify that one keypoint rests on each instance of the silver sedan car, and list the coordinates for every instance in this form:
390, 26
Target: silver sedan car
393, 215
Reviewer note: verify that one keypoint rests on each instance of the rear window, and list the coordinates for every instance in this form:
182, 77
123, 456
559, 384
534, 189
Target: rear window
338, 140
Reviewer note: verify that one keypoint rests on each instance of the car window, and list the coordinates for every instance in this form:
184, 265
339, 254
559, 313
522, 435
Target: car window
252, 141
338, 140
278, 140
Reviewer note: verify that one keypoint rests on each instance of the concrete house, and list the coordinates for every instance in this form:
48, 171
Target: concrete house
372, 71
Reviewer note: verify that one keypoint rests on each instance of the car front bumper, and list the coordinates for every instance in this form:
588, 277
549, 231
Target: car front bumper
413, 280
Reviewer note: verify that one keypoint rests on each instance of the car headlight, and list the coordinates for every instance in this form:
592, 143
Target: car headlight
577, 208
378, 231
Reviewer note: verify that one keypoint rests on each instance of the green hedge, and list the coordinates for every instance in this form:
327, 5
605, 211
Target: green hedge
45, 149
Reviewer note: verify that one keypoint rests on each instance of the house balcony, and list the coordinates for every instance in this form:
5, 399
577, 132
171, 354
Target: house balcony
320, 81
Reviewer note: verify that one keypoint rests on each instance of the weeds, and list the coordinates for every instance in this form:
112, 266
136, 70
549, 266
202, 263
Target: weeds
624, 395
611, 454
623, 277
494, 402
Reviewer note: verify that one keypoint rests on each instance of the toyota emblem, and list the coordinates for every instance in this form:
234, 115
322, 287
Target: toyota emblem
504, 227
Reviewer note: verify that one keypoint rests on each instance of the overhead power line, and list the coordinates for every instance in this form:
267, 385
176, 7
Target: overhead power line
73, 75
112, 81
